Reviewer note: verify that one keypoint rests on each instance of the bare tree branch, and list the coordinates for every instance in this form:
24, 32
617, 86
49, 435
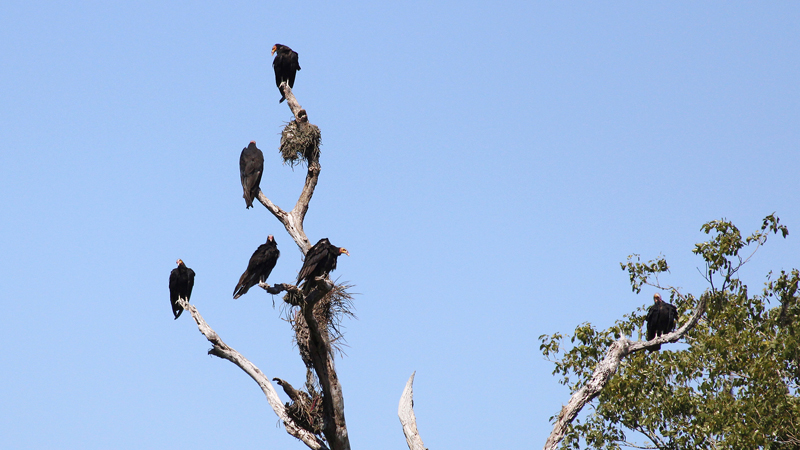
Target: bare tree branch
293, 220
334, 428
301, 207
276, 289
299, 113
606, 368
222, 350
290, 220
407, 418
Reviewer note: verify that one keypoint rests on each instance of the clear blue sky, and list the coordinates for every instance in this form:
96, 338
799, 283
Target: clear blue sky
487, 165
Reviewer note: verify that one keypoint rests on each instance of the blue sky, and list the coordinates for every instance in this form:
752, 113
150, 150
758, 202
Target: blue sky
487, 165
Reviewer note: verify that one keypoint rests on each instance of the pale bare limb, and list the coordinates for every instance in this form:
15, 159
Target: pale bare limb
293, 220
222, 350
299, 113
273, 208
301, 207
407, 418
606, 368
290, 220
335, 429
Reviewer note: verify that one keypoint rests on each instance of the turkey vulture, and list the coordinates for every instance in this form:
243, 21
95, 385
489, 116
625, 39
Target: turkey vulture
260, 266
661, 318
285, 65
251, 167
181, 282
320, 260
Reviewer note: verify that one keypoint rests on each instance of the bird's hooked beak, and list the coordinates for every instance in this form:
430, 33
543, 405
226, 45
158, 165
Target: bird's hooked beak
344, 250
274, 49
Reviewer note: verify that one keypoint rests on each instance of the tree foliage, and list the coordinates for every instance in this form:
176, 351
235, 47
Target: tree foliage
733, 385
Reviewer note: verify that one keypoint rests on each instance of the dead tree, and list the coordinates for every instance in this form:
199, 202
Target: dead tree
314, 415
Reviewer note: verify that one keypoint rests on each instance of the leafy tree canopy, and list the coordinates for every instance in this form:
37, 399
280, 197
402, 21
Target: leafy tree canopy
734, 386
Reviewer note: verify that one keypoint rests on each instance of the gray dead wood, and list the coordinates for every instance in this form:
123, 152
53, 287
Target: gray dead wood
335, 429
293, 220
407, 418
606, 368
298, 111
222, 350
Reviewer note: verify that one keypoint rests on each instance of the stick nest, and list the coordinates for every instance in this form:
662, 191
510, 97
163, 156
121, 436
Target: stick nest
328, 312
305, 407
300, 142
307, 413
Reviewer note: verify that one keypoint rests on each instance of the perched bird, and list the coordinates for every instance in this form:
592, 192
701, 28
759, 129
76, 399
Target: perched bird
320, 260
251, 167
181, 282
661, 319
260, 266
285, 65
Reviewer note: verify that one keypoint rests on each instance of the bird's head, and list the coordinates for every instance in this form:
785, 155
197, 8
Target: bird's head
657, 297
252, 142
275, 48
270, 238
343, 250
179, 261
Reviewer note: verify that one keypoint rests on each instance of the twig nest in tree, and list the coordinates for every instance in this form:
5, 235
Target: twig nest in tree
328, 313
308, 413
300, 141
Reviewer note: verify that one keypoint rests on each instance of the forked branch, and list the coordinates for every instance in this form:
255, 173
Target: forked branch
293, 220
335, 429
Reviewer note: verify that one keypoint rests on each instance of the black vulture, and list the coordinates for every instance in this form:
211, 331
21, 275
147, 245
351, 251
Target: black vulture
260, 266
661, 319
320, 260
251, 167
285, 65
181, 282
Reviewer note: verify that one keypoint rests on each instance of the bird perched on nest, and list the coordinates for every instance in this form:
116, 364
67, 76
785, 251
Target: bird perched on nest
260, 266
661, 319
285, 65
181, 282
320, 260
251, 167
